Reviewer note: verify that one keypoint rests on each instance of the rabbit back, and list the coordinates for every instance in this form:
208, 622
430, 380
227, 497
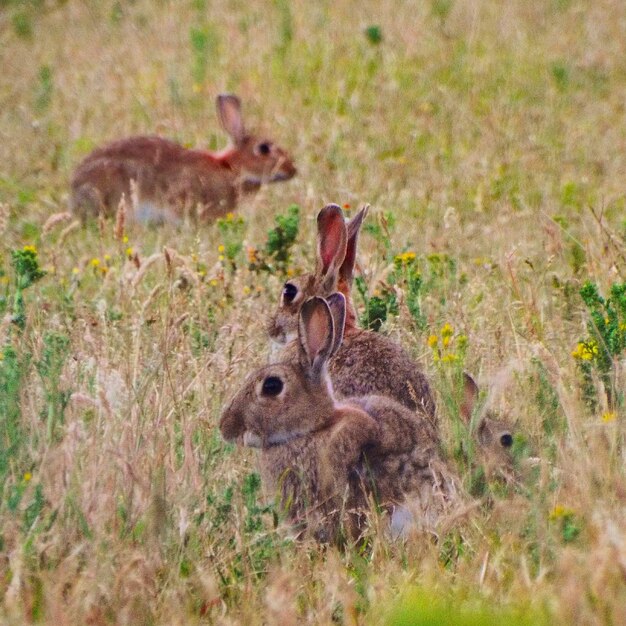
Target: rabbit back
170, 181
370, 363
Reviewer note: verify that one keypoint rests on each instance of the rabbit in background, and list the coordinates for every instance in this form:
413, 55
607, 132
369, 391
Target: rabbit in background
367, 362
171, 182
328, 459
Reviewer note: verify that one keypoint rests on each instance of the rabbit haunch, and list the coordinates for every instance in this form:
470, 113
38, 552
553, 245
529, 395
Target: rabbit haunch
327, 459
367, 362
164, 182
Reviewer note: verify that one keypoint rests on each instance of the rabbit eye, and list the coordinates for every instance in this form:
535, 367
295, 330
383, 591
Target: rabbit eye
272, 386
506, 440
264, 148
290, 291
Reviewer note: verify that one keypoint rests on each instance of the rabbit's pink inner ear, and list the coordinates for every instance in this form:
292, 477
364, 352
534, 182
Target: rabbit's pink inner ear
316, 331
332, 237
470, 396
229, 112
346, 271
337, 305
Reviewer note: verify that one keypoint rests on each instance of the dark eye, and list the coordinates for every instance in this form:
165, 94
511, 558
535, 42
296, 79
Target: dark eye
290, 291
506, 440
272, 386
264, 148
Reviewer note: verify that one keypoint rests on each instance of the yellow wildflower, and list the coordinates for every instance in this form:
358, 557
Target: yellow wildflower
221, 248
221, 257
107, 257
405, 257
559, 511
433, 340
585, 350
230, 217
27, 476
129, 252
609, 416
30, 248
4, 280
290, 272
125, 239
213, 282
75, 271
246, 290
95, 262
447, 330
449, 358
446, 341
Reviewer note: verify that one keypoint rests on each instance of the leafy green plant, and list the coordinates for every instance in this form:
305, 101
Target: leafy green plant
276, 254
27, 272
12, 371
374, 34
55, 352
606, 341
45, 88
232, 229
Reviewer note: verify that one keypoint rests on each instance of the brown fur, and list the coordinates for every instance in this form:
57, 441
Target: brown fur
173, 182
367, 362
326, 458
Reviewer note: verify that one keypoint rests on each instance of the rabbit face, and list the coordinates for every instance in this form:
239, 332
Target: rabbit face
261, 161
277, 403
283, 325
496, 443
336, 255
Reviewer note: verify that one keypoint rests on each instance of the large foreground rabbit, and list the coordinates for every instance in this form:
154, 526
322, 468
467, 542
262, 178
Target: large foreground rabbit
367, 362
173, 182
328, 459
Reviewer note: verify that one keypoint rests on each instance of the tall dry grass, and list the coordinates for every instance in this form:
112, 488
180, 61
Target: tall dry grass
494, 134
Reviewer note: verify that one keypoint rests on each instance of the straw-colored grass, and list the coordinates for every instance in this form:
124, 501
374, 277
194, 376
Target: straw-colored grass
492, 133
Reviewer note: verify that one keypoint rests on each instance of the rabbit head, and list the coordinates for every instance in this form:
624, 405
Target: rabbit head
287, 400
334, 271
494, 436
258, 160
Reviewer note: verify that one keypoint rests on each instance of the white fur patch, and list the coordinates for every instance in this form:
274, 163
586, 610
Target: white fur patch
402, 519
148, 212
252, 440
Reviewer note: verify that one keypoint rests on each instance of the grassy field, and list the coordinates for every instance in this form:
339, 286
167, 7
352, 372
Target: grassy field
490, 139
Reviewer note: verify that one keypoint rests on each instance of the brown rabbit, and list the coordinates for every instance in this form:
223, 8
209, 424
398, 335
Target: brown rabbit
494, 437
367, 362
173, 182
323, 456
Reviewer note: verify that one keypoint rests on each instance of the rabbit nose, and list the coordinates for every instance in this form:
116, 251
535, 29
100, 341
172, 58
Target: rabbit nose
231, 424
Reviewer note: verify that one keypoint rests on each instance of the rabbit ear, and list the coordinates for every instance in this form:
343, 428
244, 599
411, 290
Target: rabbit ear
229, 113
316, 336
337, 305
470, 396
346, 271
331, 243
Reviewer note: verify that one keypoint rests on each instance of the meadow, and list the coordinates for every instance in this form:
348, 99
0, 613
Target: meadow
490, 140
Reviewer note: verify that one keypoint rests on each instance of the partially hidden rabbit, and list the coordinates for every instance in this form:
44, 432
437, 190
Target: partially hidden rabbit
367, 362
327, 459
172, 182
493, 436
